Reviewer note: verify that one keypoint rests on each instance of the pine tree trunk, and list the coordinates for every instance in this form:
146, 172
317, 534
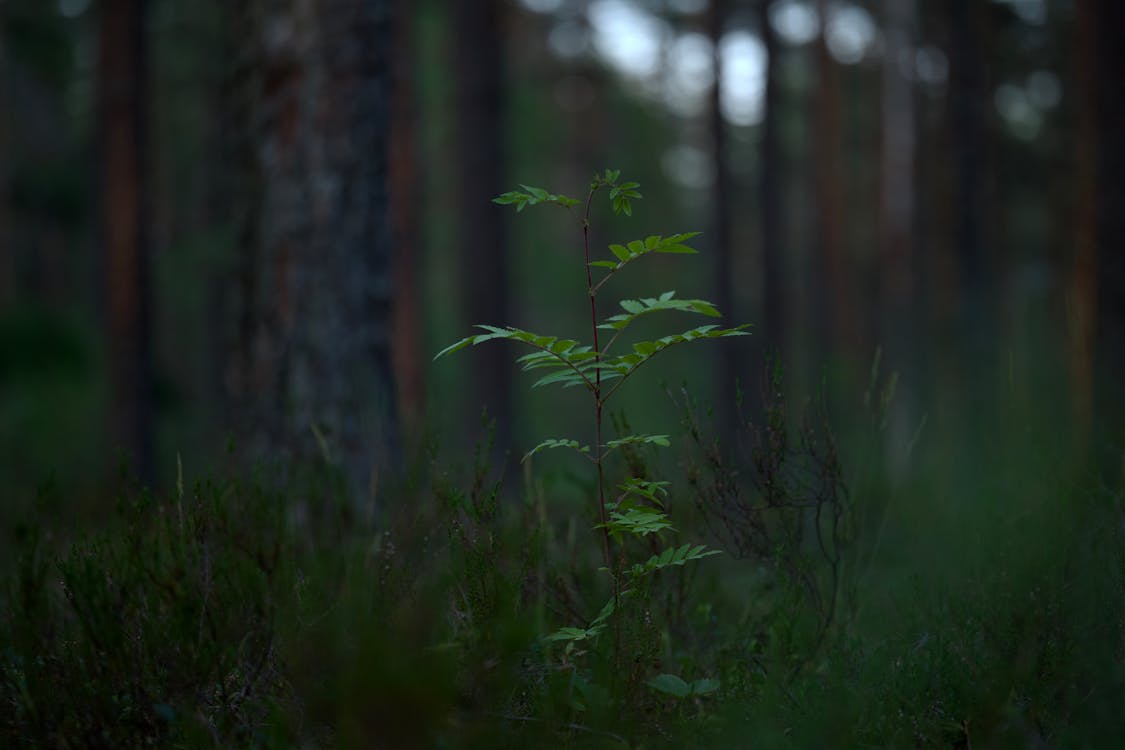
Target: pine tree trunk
1111, 218
313, 370
1082, 286
835, 298
771, 195
726, 283
407, 312
124, 137
479, 56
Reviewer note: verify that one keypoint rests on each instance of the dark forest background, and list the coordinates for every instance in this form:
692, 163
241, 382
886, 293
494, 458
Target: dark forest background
235, 234
225, 219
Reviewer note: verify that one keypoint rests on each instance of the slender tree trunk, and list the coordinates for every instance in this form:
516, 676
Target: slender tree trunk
771, 195
1111, 219
7, 258
313, 369
1082, 281
896, 318
896, 207
124, 187
726, 284
975, 326
835, 301
406, 342
480, 76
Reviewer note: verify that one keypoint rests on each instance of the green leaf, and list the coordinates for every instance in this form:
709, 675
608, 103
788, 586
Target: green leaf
571, 634
661, 440
670, 684
539, 193
704, 686
672, 556
636, 307
654, 243
651, 491
556, 443
509, 197
604, 263
638, 522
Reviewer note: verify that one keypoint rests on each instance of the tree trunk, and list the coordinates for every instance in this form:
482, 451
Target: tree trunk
7, 258
1082, 285
124, 138
771, 196
313, 368
480, 78
835, 299
896, 206
975, 323
726, 284
406, 341
1111, 219
896, 310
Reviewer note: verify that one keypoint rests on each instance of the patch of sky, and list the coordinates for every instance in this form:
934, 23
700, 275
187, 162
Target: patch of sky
627, 36
743, 78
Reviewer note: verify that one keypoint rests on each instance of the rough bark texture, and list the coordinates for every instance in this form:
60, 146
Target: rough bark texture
479, 60
123, 135
312, 374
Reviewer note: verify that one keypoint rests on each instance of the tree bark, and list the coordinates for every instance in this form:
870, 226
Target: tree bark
480, 77
124, 187
1111, 219
835, 298
726, 284
975, 319
7, 259
1082, 284
313, 368
896, 206
406, 341
771, 195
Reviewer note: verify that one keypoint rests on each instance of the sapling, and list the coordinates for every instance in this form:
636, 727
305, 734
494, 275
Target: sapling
636, 509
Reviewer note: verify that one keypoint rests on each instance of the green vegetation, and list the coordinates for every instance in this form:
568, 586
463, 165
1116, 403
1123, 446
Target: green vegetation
950, 601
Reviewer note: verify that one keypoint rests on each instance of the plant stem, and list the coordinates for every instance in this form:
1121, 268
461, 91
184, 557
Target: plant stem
597, 386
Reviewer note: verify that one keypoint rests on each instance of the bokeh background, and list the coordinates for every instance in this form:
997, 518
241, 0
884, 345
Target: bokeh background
929, 191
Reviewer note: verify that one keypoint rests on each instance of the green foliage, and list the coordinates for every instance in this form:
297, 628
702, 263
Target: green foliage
159, 632
637, 514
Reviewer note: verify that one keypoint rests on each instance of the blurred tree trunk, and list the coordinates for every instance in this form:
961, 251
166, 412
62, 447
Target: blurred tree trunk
1110, 19
967, 95
312, 370
771, 194
896, 209
480, 79
835, 296
726, 284
1082, 285
406, 341
896, 322
123, 103
7, 257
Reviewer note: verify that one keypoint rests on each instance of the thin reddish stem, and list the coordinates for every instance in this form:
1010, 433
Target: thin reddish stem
597, 385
